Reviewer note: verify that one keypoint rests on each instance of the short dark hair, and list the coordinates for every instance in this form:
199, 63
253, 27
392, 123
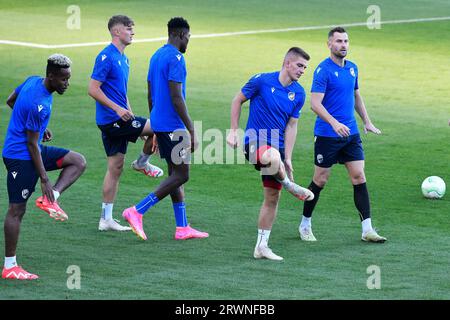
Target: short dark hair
176, 24
336, 29
299, 52
57, 62
120, 19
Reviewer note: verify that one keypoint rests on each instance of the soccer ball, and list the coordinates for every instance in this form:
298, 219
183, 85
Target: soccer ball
433, 187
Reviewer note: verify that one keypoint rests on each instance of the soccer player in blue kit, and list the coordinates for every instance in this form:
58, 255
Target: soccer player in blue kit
173, 128
115, 119
275, 102
334, 98
26, 160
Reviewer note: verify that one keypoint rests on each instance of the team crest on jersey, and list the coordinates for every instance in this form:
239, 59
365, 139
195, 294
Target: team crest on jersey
136, 124
183, 153
319, 158
291, 96
352, 72
25, 193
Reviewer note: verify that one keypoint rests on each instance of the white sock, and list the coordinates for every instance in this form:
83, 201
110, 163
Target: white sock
366, 225
107, 209
263, 238
56, 194
142, 159
286, 183
10, 262
306, 222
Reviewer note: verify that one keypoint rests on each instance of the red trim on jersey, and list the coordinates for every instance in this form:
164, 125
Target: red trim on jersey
59, 162
272, 184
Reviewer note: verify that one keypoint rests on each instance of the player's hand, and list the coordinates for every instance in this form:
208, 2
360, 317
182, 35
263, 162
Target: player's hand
125, 114
47, 190
341, 129
48, 136
194, 141
289, 169
369, 127
233, 139
155, 148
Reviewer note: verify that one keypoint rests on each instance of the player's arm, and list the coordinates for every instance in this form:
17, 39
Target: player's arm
176, 96
318, 108
236, 107
290, 135
33, 148
11, 99
97, 93
360, 108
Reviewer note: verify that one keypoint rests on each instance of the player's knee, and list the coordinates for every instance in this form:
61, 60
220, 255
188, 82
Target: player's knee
321, 180
271, 157
116, 169
184, 177
271, 198
16, 210
358, 178
81, 163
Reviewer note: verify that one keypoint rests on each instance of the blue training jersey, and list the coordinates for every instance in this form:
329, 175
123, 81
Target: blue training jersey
167, 64
271, 107
111, 69
339, 85
31, 112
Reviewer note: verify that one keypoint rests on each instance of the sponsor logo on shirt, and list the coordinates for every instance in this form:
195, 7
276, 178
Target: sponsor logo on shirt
273, 89
40, 107
336, 74
103, 57
352, 72
179, 57
14, 174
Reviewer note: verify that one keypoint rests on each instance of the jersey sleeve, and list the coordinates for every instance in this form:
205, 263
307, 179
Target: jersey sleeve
356, 80
101, 68
19, 88
35, 119
296, 112
176, 69
320, 80
251, 88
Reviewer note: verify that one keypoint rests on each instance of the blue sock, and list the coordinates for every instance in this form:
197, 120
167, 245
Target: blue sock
148, 202
180, 214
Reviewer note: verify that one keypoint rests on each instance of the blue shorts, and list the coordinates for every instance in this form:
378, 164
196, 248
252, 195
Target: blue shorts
331, 150
116, 135
22, 174
253, 153
174, 146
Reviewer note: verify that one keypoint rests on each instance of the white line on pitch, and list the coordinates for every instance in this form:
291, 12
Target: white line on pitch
216, 35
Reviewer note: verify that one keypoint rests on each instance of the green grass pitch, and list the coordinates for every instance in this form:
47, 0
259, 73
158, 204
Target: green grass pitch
404, 78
